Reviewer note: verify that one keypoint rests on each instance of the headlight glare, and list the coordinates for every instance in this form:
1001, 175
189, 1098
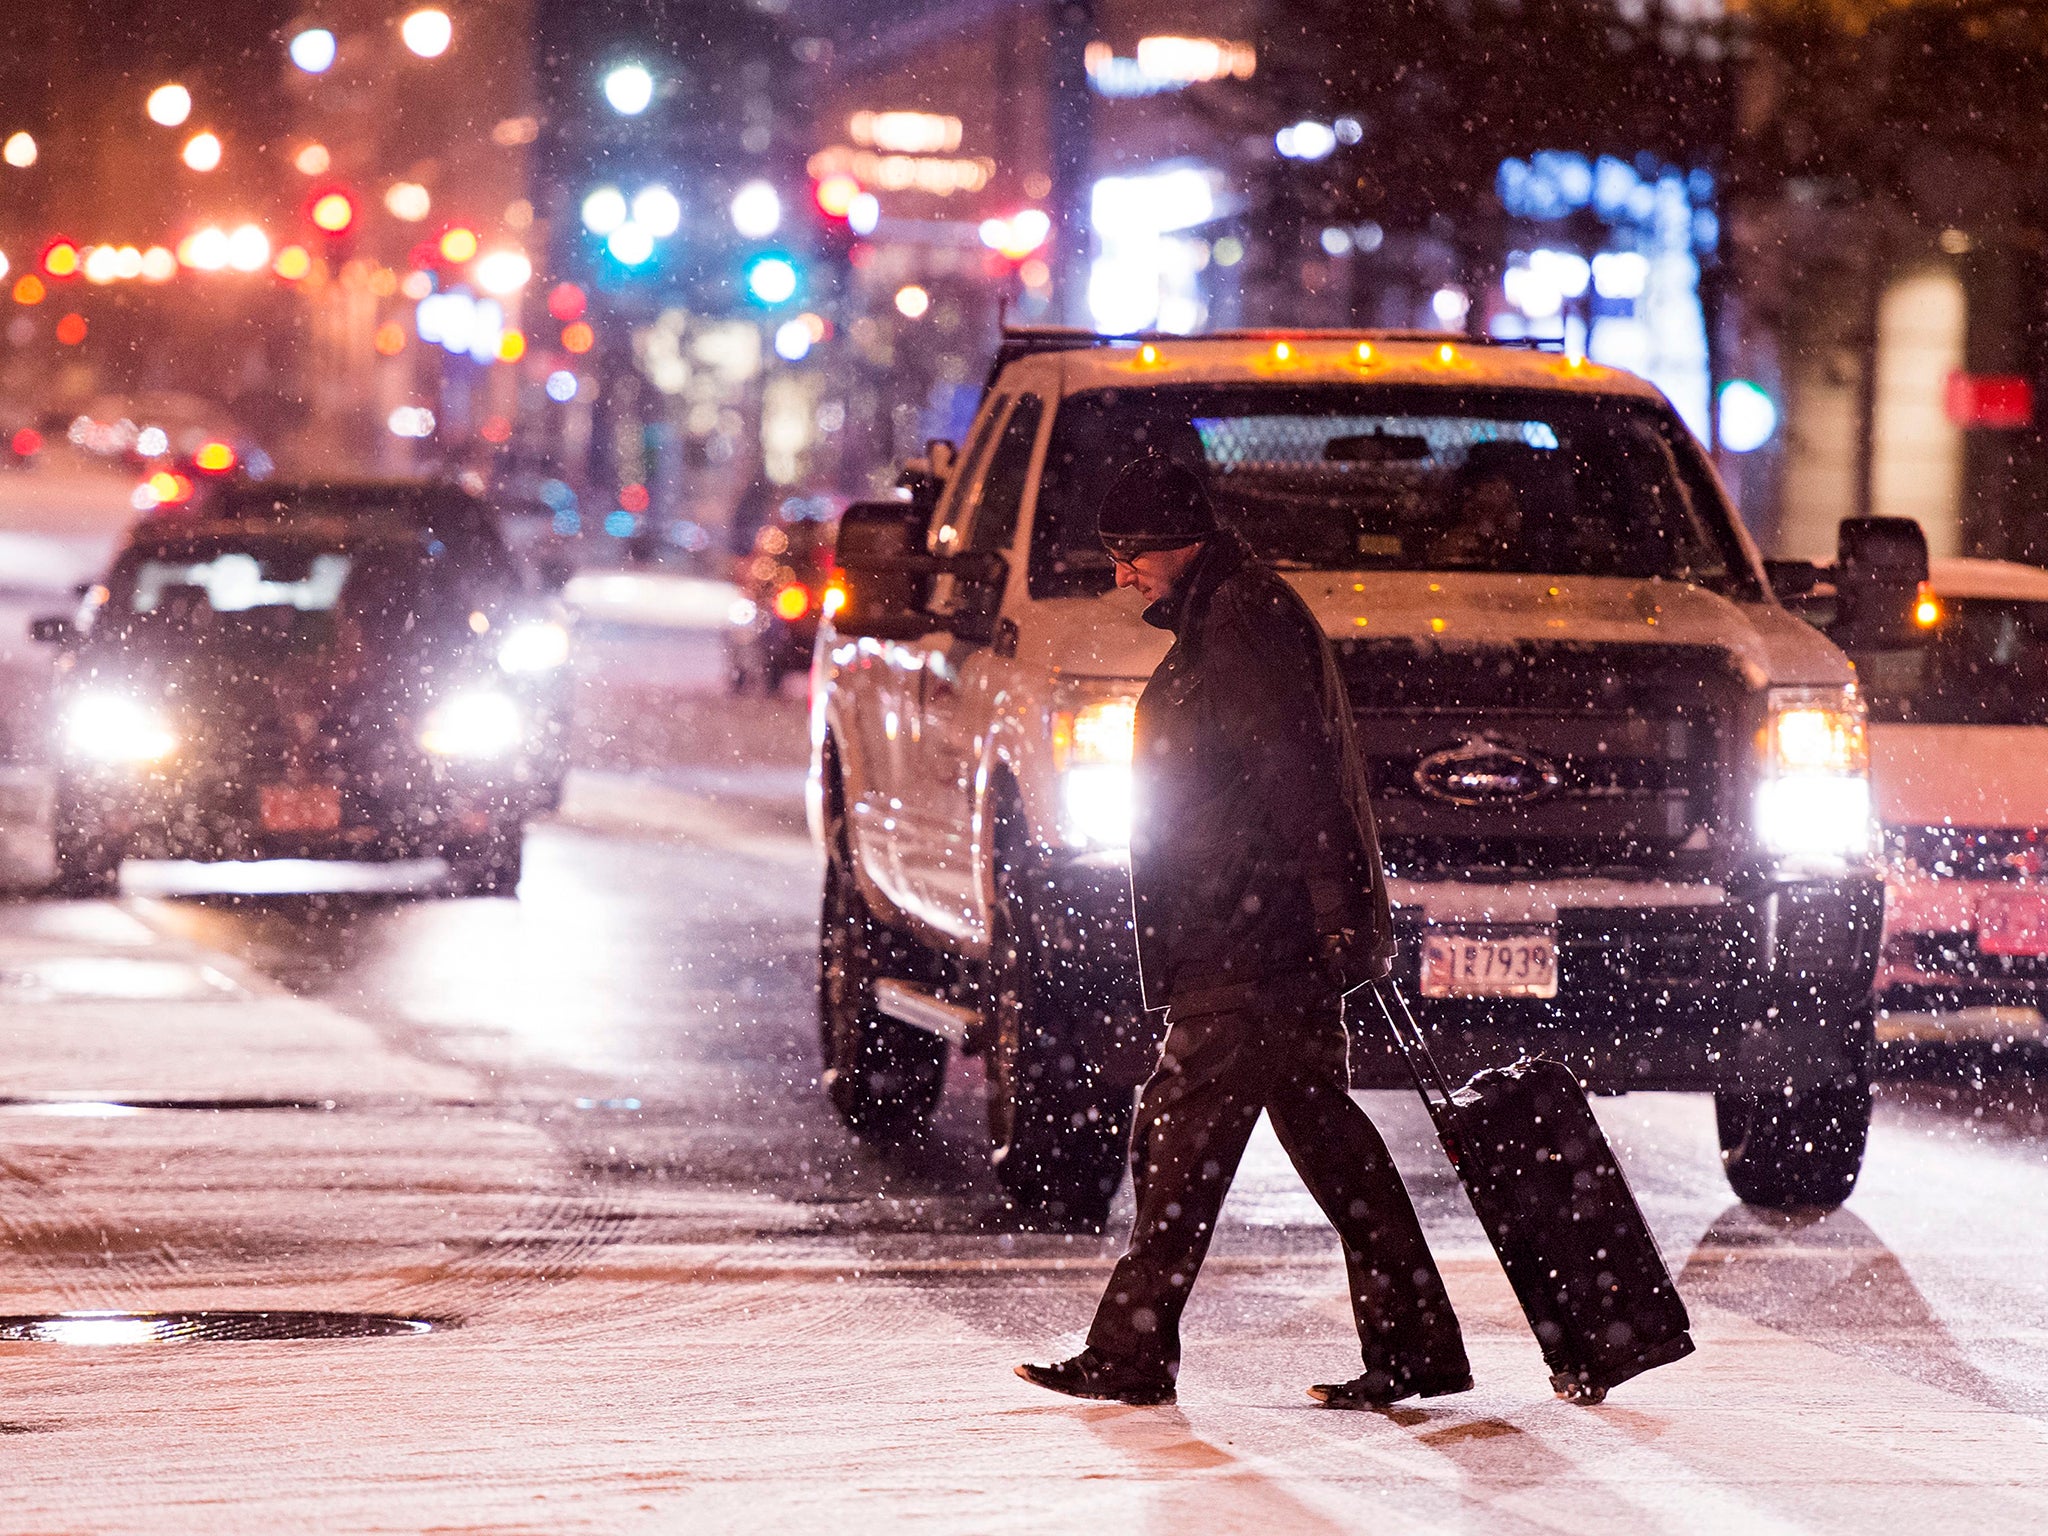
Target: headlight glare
1091, 751
531, 648
110, 729
473, 725
1813, 798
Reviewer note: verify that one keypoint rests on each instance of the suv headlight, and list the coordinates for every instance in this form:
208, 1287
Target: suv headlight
482, 724
1092, 727
534, 647
1813, 798
108, 728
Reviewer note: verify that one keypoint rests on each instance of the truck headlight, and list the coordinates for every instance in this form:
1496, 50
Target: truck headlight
1091, 753
1813, 801
482, 724
110, 729
531, 648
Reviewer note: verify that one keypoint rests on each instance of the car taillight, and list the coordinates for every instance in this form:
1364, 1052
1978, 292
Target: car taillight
792, 602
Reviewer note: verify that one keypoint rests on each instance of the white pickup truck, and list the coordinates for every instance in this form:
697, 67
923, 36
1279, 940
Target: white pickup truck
1622, 793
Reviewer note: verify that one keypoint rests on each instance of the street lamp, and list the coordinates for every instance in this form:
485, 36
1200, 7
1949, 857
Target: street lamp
502, 272
604, 210
656, 210
629, 88
202, 151
427, 33
631, 244
313, 50
169, 105
756, 210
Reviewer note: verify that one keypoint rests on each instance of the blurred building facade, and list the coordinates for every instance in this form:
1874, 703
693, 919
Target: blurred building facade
224, 218
668, 270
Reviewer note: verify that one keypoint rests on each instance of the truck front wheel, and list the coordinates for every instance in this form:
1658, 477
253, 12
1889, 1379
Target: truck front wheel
1787, 1153
882, 1076
1057, 1134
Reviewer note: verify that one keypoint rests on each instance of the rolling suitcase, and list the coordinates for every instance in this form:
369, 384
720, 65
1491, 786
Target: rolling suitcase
1558, 1210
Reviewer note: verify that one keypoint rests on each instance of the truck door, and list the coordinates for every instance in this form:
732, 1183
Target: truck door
960, 678
890, 814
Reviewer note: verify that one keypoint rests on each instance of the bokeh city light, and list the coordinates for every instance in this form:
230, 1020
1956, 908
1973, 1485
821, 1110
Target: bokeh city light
427, 33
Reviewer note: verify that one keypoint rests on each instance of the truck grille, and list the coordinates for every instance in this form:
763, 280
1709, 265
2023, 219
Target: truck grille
1575, 758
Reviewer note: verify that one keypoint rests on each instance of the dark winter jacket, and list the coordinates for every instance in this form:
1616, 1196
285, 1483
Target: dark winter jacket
1253, 834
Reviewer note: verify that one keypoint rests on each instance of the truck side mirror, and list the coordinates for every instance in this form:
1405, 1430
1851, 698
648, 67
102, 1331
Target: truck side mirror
1880, 567
1791, 579
875, 589
926, 478
1890, 550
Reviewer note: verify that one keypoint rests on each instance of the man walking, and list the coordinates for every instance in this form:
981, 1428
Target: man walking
1258, 895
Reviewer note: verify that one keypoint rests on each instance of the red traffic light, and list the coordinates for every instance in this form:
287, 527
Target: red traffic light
567, 302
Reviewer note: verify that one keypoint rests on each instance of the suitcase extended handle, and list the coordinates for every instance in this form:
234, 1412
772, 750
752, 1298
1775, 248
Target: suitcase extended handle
1412, 1044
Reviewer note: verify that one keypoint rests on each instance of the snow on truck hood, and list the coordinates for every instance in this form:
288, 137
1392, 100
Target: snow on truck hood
1462, 611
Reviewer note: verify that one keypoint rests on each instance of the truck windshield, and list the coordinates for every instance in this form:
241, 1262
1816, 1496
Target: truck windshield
1986, 664
1394, 478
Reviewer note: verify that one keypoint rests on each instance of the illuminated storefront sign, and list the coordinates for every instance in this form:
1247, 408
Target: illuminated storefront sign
1168, 64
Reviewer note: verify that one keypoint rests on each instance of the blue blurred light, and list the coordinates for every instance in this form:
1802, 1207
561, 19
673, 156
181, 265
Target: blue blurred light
313, 50
771, 279
568, 521
561, 386
630, 245
619, 523
1306, 140
793, 341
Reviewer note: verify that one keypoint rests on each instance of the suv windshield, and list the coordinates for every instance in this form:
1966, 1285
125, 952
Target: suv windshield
272, 590
1359, 478
1986, 664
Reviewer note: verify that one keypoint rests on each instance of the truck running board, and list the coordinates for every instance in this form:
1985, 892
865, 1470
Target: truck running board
920, 1009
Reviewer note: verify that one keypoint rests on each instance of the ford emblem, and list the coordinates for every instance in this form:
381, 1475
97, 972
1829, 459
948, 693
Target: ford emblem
1478, 772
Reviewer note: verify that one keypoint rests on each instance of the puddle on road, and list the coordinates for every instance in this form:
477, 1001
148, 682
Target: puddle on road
110, 1328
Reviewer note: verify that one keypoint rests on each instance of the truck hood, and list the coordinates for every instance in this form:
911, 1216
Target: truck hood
1465, 611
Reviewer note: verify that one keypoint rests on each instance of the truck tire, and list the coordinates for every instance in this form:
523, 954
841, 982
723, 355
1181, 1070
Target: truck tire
883, 1076
88, 865
489, 866
1058, 1135
1785, 1154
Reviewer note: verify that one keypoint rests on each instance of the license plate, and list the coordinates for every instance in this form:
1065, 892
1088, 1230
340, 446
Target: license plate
299, 807
1495, 963
2012, 923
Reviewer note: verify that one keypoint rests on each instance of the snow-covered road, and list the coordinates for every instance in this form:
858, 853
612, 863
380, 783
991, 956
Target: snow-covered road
581, 1130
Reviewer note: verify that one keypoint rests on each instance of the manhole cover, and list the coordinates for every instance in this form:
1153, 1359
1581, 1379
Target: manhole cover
89, 1108
116, 978
206, 1327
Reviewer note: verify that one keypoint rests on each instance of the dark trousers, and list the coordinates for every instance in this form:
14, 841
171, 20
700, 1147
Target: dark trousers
1217, 1069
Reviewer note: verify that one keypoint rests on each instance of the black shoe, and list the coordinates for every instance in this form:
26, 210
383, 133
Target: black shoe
1380, 1389
1090, 1374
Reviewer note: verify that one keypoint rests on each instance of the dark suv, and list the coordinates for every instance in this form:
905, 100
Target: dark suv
313, 671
